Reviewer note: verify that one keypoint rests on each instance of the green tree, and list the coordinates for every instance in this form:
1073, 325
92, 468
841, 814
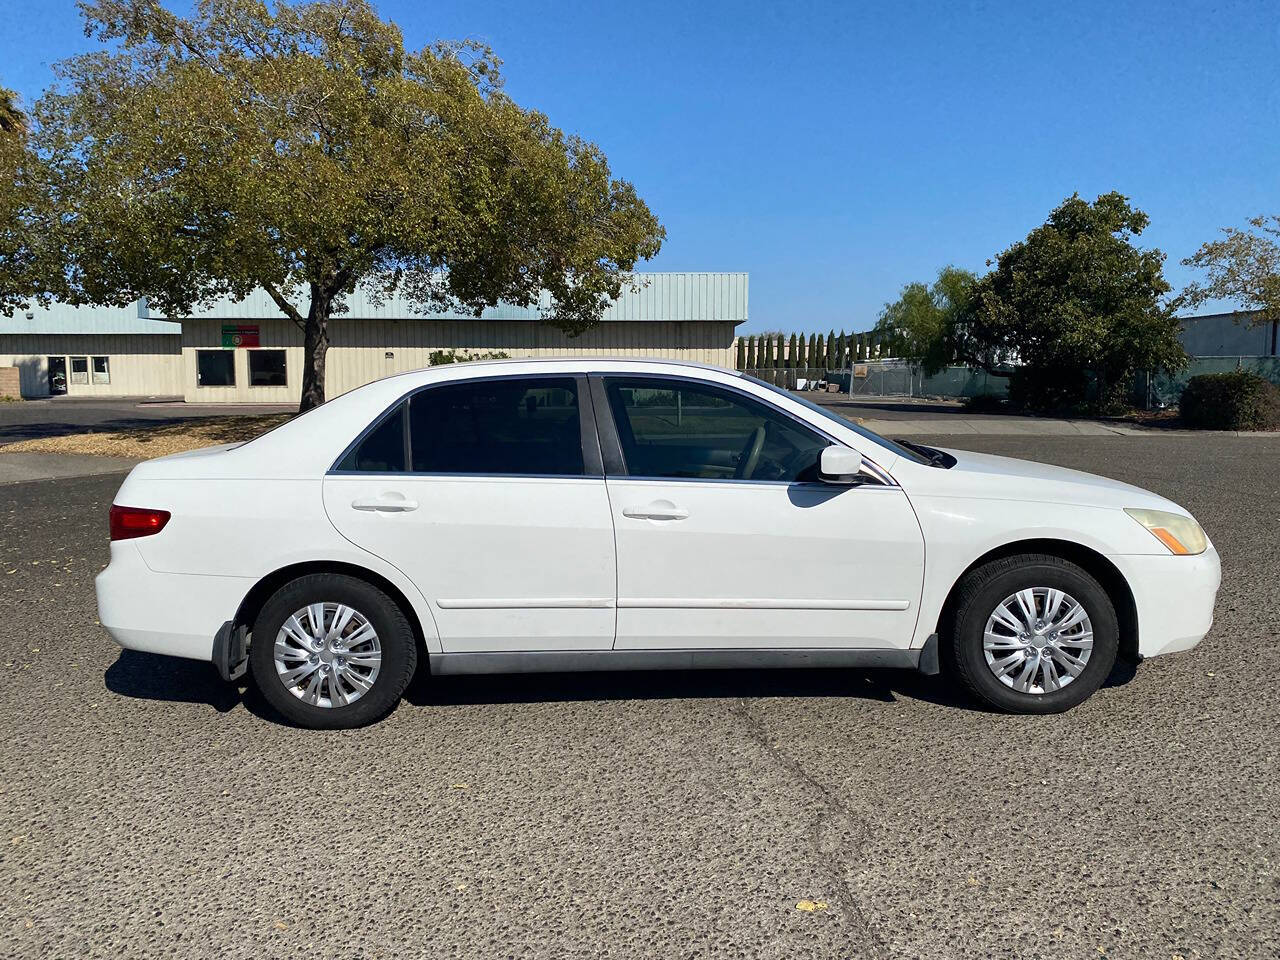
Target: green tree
767, 360
921, 323
740, 359
24, 223
301, 148
792, 355
1076, 301
1243, 266
782, 351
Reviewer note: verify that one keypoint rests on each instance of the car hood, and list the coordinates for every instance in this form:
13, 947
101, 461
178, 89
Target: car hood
984, 476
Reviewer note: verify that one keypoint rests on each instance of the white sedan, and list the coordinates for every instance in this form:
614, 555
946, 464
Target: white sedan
623, 515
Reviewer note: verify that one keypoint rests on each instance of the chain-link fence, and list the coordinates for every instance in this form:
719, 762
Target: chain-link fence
899, 378
1162, 390
887, 378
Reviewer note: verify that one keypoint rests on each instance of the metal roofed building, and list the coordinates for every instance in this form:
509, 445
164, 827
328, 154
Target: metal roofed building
247, 352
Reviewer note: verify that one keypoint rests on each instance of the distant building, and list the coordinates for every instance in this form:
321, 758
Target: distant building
1229, 335
247, 352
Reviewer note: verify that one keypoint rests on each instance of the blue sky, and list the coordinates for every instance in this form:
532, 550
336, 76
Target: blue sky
839, 150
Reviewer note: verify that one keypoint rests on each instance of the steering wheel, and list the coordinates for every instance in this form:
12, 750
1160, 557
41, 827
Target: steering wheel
750, 455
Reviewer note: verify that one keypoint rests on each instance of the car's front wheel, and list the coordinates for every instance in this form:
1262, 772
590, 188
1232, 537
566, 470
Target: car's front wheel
1032, 633
330, 651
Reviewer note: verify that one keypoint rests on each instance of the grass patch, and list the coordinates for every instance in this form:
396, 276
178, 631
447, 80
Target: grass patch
158, 440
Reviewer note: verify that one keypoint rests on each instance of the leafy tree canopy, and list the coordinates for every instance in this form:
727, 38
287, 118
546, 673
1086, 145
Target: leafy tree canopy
1244, 266
922, 322
300, 147
1076, 298
22, 243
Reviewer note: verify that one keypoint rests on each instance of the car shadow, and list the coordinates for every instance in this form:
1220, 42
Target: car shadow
884, 686
151, 676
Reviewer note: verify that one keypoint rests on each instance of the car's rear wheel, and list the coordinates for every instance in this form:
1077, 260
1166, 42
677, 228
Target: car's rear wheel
331, 651
1032, 633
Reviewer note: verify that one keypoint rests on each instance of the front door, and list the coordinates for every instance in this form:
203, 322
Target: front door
480, 492
57, 376
726, 539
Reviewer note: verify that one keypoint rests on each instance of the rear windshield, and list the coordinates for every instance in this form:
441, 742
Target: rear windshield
861, 431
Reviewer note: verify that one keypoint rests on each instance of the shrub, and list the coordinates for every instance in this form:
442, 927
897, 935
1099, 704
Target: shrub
985, 403
1231, 401
438, 357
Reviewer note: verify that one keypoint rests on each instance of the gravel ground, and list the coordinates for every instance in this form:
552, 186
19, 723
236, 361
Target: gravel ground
147, 810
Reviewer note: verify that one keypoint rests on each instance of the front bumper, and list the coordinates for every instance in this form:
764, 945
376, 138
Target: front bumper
171, 613
1174, 597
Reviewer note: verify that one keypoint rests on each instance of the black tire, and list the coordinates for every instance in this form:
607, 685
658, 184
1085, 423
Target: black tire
399, 650
978, 595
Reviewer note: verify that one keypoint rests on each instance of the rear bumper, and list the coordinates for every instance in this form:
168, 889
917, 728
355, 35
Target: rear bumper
1174, 597
170, 613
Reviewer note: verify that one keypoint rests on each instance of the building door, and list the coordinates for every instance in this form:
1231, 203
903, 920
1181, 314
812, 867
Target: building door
57, 376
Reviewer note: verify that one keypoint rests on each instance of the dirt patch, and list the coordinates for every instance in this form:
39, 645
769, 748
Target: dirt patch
162, 439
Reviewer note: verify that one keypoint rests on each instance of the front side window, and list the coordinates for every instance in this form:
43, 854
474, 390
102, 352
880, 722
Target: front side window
267, 368
215, 368
79, 369
101, 370
683, 430
485, 427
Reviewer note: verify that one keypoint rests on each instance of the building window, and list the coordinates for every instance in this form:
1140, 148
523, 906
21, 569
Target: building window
215, 368
267, 368
79, 369
101, 370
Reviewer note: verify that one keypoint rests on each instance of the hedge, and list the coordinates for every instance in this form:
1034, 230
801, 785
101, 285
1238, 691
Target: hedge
1231, 401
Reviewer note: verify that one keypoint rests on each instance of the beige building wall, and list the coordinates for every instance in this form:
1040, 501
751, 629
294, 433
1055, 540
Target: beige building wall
366, 350
139, 365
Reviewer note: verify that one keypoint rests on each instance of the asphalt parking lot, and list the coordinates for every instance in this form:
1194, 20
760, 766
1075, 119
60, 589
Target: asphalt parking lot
147, 810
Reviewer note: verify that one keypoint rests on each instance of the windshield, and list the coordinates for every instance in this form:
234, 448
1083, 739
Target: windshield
908, 454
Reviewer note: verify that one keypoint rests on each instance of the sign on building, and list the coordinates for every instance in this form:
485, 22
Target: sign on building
240, 335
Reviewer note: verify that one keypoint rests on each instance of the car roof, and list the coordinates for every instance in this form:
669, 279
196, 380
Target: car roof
471, 368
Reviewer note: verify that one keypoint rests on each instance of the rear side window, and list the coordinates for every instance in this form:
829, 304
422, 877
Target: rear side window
485, 427
528, 427
382, 449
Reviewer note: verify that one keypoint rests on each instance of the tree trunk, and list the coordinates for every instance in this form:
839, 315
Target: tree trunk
315, 348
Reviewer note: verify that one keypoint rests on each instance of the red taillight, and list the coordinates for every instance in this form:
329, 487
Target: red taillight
128, 522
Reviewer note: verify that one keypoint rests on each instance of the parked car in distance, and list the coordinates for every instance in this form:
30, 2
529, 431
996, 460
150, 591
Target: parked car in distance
617, 514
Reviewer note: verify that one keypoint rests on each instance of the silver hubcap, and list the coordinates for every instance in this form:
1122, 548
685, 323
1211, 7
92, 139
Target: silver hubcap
328, 654
1038, 640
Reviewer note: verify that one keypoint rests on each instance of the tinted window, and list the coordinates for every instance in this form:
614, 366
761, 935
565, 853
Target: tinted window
672, 428
215, 368
382, 449
266, 368
497, 427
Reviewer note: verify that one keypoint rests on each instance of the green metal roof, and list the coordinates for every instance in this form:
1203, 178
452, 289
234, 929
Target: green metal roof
660, 297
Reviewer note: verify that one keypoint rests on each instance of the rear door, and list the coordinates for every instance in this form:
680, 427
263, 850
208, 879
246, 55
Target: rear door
489, 494
727, 540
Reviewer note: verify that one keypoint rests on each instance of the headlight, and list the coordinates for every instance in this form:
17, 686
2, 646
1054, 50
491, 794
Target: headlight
1180, 534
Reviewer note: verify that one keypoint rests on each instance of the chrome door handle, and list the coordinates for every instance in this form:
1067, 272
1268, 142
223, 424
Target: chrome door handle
388, 503
658, 510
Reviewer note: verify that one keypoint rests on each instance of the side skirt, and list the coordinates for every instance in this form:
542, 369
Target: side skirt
575, 661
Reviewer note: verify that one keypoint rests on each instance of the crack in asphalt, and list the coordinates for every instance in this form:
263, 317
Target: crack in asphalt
827, 854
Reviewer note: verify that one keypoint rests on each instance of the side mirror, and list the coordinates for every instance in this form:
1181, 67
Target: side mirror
839, 464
